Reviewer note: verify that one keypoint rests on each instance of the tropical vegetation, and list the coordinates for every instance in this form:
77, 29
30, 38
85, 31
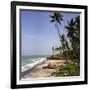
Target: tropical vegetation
69, 48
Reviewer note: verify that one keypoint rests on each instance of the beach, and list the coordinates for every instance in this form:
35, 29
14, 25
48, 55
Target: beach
46, 69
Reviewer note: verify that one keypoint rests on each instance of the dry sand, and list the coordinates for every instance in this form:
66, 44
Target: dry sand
46, 69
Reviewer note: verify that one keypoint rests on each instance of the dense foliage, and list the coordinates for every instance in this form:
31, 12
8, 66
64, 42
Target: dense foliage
69, 42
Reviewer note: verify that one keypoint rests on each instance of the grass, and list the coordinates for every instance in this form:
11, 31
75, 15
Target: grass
56, 58
64, 72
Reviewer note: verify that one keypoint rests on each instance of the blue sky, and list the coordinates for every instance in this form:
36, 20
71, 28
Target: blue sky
38, 34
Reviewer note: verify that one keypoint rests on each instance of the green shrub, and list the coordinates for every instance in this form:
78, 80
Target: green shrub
64, 72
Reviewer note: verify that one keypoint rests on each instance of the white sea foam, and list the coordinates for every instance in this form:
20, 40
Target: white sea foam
33, 64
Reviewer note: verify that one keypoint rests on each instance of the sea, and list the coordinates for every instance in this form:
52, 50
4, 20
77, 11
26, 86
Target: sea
30, 61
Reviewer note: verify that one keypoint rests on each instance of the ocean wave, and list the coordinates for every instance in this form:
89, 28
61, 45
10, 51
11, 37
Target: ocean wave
33, 64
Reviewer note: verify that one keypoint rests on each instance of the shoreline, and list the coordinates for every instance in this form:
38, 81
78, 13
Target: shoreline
45, 69
29, 67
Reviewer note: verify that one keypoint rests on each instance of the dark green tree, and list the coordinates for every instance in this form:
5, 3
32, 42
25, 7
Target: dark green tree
73, 33
65, 47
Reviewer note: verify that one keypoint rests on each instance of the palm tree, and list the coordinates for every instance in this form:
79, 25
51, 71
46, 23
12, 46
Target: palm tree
77, 20
73, 29
65, 46
57, 18
73, 34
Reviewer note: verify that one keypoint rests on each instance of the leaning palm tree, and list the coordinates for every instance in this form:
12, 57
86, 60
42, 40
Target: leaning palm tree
57, 18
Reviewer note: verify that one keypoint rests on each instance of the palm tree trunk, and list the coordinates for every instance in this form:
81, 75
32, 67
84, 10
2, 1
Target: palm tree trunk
63, 49
56, 25
77, 61
66, 60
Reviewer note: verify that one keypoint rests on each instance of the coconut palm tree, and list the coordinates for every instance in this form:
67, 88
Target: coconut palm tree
73, 34
77, 20
64, 44
70, 29
57, 18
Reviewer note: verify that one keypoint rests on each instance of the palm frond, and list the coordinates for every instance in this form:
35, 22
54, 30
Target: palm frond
52, 20
51, 16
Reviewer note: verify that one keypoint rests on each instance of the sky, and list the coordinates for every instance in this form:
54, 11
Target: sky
38, 34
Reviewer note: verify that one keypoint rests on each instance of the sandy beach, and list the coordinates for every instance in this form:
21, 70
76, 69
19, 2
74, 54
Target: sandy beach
46, 69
